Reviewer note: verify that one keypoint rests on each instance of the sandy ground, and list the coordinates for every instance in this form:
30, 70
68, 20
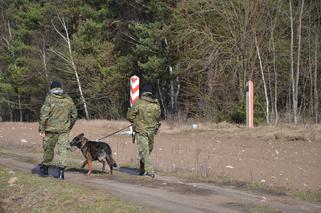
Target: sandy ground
169, 193
277, 156
286, 157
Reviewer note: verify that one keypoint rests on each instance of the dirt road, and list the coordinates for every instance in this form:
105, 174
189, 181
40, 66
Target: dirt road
278, 157
171, 194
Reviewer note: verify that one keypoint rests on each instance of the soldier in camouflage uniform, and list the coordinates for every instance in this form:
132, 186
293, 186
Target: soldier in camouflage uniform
57, 117
144, 116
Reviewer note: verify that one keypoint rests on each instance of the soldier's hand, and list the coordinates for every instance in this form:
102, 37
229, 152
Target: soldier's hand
157, 131
42, 134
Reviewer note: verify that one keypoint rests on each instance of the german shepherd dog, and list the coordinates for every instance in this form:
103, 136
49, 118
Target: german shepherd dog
93, 151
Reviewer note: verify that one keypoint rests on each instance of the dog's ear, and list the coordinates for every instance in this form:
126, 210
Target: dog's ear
81, 135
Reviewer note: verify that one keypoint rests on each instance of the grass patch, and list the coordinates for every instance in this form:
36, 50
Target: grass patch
258, 187
35, 194
264, 209
309, 196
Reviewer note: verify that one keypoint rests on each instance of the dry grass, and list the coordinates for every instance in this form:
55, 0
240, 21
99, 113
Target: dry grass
35, 194
291, 132
308, 133
309, 196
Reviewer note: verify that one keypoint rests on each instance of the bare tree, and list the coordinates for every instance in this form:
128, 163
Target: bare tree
173, 94
172, 91
315, 83
292, 65
8, 40
311, 76
295, 80
276, 117
272, 43
162, 98
263, 79
43, 52
298, 65
69, 59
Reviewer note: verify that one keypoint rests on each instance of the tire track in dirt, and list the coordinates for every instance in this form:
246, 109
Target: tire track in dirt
170, 194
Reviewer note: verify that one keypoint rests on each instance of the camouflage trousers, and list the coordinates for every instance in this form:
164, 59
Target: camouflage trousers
145, 142
49, 143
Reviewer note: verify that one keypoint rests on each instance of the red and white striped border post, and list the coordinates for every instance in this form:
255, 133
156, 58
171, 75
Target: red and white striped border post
134, 89
134, 96
250, 104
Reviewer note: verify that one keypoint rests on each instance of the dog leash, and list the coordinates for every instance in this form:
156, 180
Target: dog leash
114, 133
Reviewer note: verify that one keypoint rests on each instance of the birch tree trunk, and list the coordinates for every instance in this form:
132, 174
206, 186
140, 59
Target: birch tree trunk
263, 79
10, 108
172, 92
315, 83
44, 60
177, 93
11, 50
172, 89
294, 103
276, 119
298, 65
311, 97
161, 98
311, 75
276, 113
19, 106
70, 60
272, 118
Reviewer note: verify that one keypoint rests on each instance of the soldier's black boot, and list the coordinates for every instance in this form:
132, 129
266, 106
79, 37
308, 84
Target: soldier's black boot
141, 168
61, 173
43, 170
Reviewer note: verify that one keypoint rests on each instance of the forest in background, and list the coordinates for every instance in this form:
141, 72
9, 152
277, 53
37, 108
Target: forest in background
198, 54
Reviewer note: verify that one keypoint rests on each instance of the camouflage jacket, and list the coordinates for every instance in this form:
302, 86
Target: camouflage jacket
58, 113
145, 115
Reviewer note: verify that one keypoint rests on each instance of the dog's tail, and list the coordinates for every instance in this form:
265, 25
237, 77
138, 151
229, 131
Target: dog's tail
111, 160
114, 164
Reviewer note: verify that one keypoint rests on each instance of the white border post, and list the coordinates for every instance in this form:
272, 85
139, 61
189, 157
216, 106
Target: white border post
250, 104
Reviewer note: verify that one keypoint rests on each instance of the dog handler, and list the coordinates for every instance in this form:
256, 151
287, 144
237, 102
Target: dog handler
57, 117
144, 116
